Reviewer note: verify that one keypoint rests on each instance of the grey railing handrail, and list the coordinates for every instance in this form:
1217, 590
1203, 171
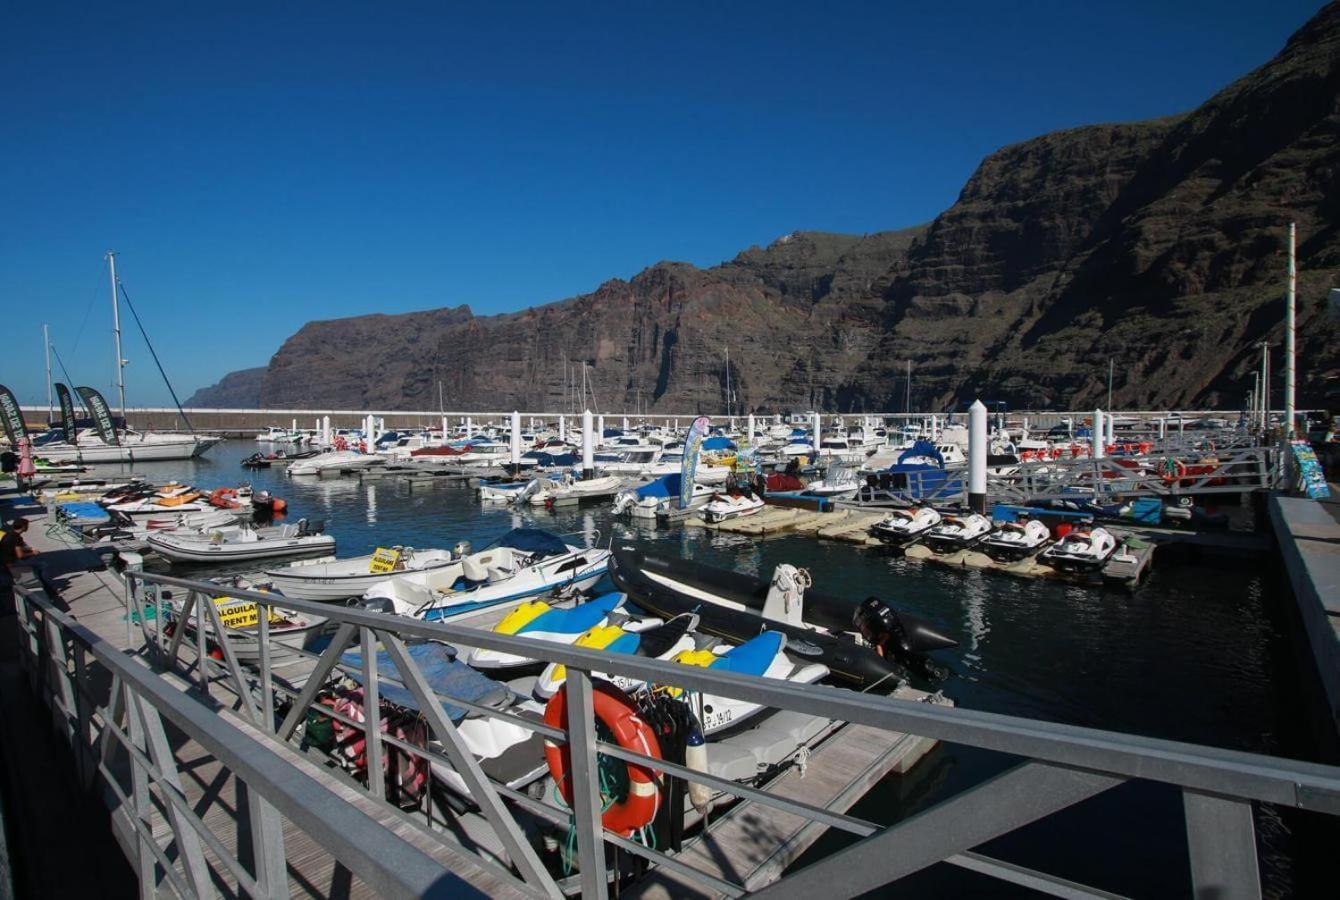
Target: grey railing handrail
1206, 769
391, 868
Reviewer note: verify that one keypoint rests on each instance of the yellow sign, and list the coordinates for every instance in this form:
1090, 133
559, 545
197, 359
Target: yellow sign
384, 561
234, 614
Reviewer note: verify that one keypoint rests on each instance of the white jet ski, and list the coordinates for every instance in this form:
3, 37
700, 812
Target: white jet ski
957, 532
733, 505
1015, 540
1081, 551
904, 527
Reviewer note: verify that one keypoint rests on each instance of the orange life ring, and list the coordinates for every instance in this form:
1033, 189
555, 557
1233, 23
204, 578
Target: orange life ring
617, 713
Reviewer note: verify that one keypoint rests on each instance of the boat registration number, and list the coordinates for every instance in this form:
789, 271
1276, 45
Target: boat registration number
383, 561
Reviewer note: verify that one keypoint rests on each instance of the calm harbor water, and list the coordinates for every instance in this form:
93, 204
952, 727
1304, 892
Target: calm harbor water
1199, 653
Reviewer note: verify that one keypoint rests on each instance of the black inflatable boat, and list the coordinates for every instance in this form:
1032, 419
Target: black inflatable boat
730, 604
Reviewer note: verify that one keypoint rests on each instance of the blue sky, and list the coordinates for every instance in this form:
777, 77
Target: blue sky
256, 166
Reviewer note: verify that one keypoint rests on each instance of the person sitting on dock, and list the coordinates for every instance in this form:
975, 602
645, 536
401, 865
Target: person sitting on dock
12, 549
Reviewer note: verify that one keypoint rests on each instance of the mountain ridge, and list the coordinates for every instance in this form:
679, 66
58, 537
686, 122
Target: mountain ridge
1157, 244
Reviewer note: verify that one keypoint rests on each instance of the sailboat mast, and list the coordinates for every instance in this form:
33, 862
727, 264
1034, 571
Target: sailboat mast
46, 347
116, 331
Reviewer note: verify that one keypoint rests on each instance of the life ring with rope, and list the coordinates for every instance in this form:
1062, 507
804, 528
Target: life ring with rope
618, 715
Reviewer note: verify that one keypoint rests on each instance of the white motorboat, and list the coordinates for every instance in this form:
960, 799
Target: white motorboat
570, 490
1015, 540
903, 527
838, 483
525, 562
169, 501
277, 435
1083, 550
243, 544
502, 491
338, 579
647, 500
289, 631
733, 505
957, 532
333, 461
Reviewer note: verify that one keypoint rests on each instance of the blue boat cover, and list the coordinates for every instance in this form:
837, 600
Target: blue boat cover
576, 619
717, 442
445, 675
920, 448
753, 656
88, 513
543, 458
534, 541
665, 486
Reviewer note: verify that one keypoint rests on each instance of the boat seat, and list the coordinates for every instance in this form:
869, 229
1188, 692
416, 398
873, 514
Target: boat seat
474, 571
655, 642
752, 657
574, 620
497, 574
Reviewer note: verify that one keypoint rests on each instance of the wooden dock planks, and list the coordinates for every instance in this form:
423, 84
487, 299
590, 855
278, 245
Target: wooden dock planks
753, 844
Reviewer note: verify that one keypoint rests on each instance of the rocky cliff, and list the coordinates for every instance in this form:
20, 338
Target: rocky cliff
1159, 245
236, 390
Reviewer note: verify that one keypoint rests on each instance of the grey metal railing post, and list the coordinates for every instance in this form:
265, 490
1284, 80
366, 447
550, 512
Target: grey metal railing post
1221, 842
267, 843
372, 718
229, 655
195, 605
263, 665
143, 806
586, 806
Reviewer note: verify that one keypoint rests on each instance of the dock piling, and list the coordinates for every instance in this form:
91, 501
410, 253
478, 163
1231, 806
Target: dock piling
977, 457
588, 450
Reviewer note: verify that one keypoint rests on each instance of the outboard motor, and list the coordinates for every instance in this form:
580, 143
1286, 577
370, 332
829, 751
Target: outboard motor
786, 595
375, 604
462, 548
881, 627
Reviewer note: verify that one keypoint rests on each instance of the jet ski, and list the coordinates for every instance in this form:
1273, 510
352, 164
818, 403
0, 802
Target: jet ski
1081, 551
818, 627
542, 620
1015, 540
958, 532
732, 505
904, 527
678, 641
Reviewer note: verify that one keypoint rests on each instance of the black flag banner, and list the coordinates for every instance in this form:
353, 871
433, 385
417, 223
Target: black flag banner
66, 412
102, 414
12, 417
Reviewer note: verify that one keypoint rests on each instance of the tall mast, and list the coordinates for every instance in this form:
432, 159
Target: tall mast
46, 347
907, 402
1289, 362
116, 330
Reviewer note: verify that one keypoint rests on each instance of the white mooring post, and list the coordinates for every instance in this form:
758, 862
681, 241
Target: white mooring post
325, 431
977, 457
1163, 429
588, 449
469, 428
817, 426
562, 428
625, 423
1111, 428
1097, 433
1289, 361
294, 428
516, 443
750, 437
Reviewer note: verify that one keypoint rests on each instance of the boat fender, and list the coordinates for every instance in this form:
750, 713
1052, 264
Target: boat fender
695, 758
618, 714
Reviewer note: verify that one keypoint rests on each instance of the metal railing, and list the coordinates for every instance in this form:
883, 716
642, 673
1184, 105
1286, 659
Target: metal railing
115, 713
1061, 765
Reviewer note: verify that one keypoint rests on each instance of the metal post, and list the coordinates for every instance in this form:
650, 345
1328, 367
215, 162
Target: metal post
1290, 362
46, 348
1097, 445
515, 444
818, 432
1221, 841
1111, 427
1265, 387
588, 451
586, 806
977, 457
372, 714
116, 331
